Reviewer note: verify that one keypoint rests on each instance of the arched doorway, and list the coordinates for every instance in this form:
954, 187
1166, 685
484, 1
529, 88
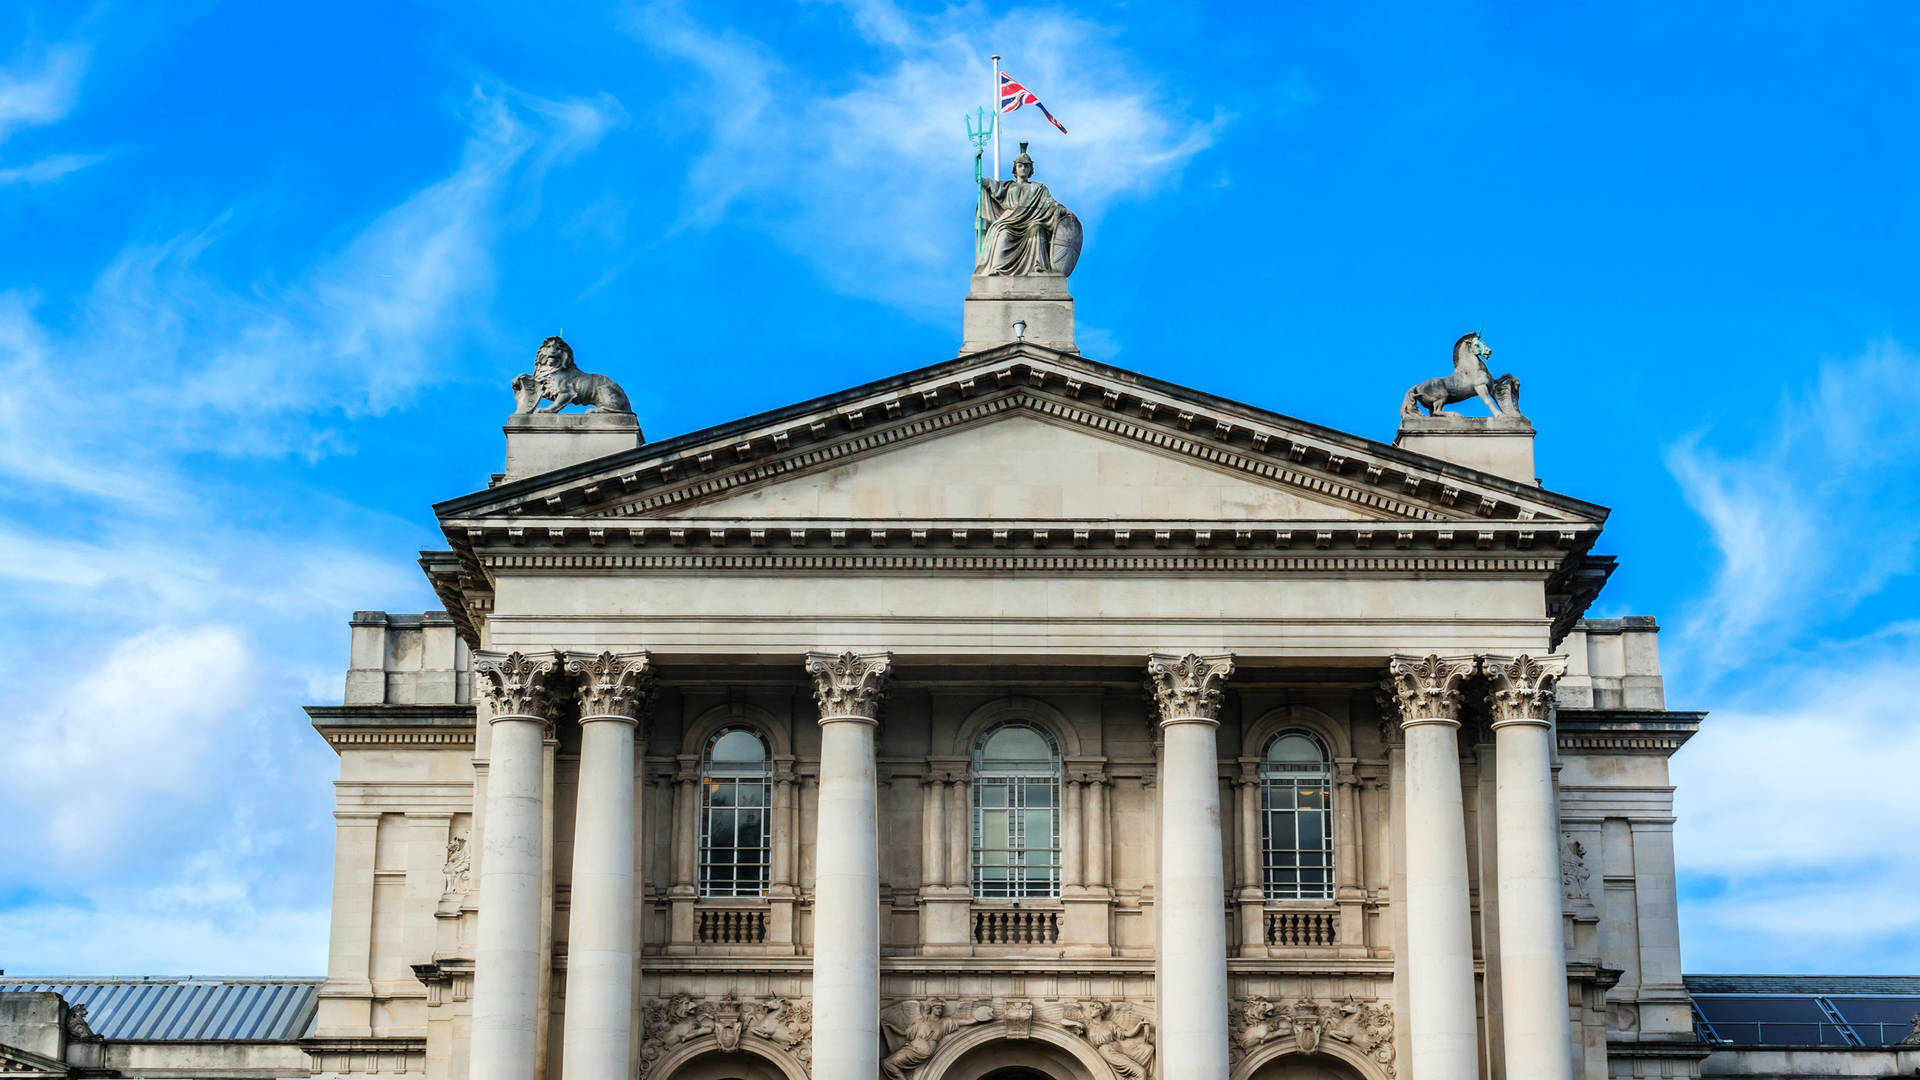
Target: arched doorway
1295, 1067
1017, 1072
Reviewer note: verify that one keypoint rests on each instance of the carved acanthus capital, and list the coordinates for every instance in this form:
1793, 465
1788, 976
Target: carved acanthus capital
1427, 689
1522, 690
614, 684
1190, 687
850, 684
517, 684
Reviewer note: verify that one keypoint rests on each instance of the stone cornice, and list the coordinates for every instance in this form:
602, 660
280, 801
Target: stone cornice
1624, 731
437, 727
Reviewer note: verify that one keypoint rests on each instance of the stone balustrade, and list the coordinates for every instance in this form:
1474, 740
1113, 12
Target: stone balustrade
1294, 928
1016, 926
731, 925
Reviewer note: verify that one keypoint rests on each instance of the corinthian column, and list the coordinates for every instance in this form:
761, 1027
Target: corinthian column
1192, 894
506, 981
614, 692
1439, 961
1533, 959
846, 889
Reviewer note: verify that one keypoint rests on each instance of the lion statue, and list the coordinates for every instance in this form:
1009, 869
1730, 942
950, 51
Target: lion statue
556, 379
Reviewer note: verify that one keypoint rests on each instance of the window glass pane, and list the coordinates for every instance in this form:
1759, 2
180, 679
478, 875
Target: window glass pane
1013, 743
738, 746
1295, 798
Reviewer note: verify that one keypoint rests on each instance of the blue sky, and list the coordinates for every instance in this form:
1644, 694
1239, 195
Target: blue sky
270, 267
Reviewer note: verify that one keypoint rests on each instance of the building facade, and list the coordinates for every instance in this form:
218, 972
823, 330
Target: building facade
1014, 717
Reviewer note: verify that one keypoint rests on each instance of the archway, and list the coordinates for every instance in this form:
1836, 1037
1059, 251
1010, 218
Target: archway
1306, 1069
993, 1051
702, 1059
1297, 1067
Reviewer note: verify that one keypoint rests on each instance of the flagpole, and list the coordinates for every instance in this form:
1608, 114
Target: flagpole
996, 115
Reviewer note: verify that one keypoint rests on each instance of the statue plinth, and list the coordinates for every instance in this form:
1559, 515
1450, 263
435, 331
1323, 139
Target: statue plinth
1501, 445
542, 442
1002, 308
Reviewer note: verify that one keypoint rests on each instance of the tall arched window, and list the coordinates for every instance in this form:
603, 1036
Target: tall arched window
736, 786
1016, 813
1296, 818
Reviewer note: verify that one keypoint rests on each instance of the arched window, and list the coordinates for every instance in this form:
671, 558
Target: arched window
1296, 818
736, 786
1016, 813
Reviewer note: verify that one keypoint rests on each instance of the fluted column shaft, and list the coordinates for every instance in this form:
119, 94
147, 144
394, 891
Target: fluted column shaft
1439, 961
846, 892
600, 943
507, 945
1533, 961
1191, 900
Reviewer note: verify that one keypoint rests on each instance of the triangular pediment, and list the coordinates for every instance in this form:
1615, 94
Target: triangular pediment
1018, 465
1024, 433
27, 1065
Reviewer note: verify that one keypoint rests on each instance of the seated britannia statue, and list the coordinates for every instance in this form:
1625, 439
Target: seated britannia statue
1028, 232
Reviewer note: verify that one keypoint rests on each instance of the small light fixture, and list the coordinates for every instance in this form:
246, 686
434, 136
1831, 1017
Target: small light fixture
1020, 328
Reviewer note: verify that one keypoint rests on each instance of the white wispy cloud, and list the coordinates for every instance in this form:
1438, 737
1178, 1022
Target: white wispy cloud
1793, 801
43, 92
48, 169
865, 169
175, 797
199, 362
1812, 517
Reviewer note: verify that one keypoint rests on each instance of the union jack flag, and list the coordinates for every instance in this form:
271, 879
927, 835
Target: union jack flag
1013, 95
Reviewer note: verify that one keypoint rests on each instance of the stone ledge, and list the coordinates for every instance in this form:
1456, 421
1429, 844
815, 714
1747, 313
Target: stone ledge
1462, 424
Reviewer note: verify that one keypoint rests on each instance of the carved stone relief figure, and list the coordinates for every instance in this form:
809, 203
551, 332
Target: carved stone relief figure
1252, 1026
670, 1023
1575, 878
915, 1029
1124, 1041
786, 1023
557, 379
459, 868
1913, 1032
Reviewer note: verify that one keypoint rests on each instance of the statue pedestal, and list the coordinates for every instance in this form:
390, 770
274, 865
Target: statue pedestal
543, 442
1501, 445
995, 304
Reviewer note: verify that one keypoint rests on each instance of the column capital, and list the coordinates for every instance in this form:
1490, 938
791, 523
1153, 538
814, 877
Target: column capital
1426, 689
1522, 690
850, 685
518, 684
614, 685
1188, 688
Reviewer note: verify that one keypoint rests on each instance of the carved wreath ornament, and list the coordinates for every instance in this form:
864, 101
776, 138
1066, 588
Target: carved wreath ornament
784, 1022
1366, 1026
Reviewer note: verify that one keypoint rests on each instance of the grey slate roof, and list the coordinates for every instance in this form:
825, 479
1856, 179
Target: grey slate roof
157, 1008
1842, 985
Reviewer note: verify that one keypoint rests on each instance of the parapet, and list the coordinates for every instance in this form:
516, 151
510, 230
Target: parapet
1613, 664
407, 660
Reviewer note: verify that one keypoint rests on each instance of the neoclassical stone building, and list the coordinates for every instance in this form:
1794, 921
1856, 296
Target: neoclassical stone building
1014, 717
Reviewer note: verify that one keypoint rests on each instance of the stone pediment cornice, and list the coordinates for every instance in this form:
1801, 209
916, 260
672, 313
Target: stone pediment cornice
1371, 478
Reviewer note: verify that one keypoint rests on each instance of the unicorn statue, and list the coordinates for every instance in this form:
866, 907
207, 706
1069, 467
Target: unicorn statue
1470, 379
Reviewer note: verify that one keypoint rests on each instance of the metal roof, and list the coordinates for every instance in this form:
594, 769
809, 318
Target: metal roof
1803, 984
157, 1008
1835, 1011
